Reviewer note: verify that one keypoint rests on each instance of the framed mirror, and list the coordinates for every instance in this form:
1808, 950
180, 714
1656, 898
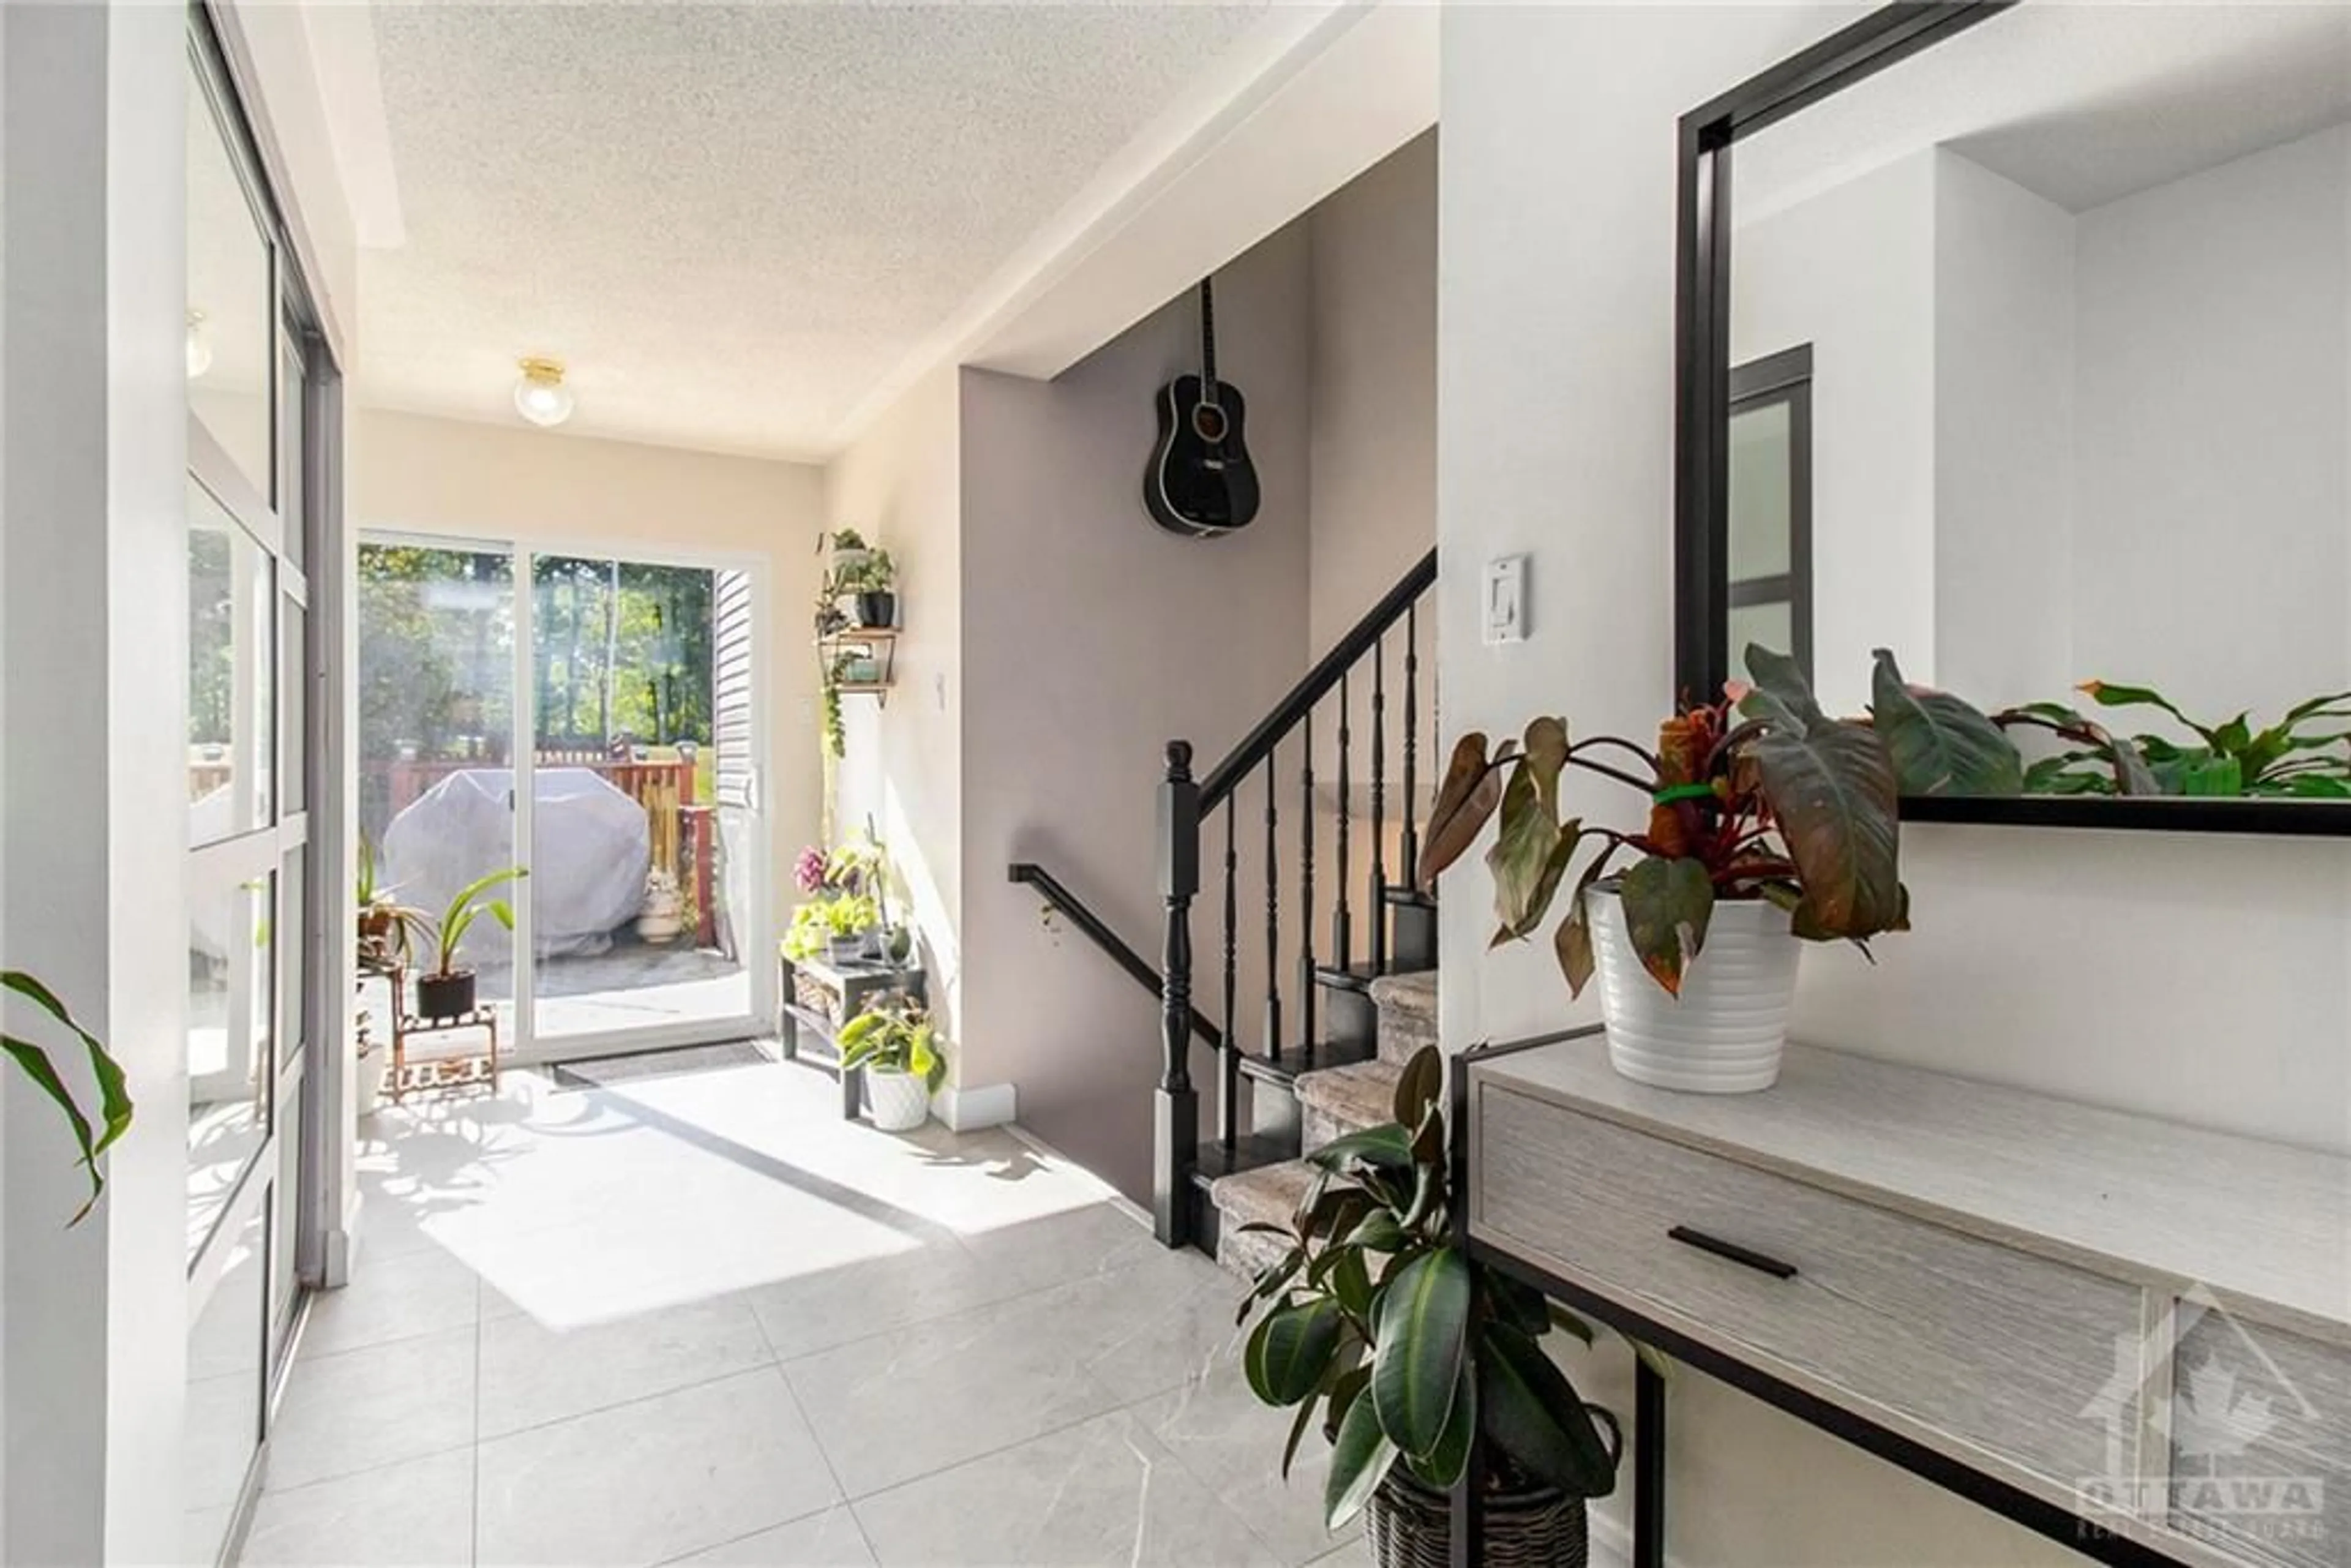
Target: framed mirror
2015, 340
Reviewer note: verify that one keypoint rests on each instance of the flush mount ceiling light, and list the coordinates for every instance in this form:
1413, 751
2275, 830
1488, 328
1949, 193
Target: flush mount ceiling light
199, 345
540, 394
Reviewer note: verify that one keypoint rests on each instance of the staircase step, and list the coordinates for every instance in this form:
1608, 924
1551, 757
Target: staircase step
1343, 1099
1296, 1060
1211, 1164
1269, 1194
1407, 1005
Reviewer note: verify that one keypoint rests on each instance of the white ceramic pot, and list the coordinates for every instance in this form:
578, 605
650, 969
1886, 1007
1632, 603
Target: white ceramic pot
899, 1102
1725, 1033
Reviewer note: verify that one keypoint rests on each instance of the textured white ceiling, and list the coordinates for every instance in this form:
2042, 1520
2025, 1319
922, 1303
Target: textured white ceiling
731, 222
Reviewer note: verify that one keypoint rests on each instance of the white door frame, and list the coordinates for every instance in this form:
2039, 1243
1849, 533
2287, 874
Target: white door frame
525, 1048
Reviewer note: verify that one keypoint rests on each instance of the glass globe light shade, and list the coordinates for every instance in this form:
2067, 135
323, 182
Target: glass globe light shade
540, 394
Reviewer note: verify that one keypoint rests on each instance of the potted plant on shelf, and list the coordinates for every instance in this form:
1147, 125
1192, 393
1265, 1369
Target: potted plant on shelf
851, 922
849, 548
387, 927
1767, 821
445, 992
896, 1044
872, 581
1406, 1348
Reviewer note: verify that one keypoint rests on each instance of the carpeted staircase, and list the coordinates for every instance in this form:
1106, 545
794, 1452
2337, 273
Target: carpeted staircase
1333, 1101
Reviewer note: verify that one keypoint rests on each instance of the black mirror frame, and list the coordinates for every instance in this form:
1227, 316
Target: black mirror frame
1702, 408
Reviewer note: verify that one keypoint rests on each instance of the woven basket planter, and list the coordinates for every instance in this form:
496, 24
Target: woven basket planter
1409, 1526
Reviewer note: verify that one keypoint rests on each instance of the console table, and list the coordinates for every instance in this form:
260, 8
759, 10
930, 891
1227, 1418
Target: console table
2129, 1335
818, 997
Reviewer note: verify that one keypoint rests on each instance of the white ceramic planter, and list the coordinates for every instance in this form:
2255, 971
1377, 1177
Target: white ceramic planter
375, 1069
1725, 1033
898, 1102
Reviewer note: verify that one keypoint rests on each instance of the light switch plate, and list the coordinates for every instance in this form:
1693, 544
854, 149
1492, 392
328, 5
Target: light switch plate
1504, 615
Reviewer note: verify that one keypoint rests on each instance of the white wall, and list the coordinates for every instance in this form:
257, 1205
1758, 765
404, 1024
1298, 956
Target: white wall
2195, 977
1852, 272
1054, 639
2214, 389
899, 486
2003, 461
93, 1329
1373, 346
1090, 638
422, 475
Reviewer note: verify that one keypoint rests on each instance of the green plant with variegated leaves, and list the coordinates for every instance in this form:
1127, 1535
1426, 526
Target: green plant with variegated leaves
2306, 755
1378, 1329
896, 1034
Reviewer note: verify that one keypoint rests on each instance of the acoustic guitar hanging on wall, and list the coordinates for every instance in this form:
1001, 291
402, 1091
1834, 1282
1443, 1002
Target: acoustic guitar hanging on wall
1201, 482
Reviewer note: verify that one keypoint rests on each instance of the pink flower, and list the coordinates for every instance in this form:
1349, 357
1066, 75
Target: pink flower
808, 871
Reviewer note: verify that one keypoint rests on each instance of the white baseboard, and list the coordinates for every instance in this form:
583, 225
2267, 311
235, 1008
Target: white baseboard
982, 1105
1116, 1199
339, 1246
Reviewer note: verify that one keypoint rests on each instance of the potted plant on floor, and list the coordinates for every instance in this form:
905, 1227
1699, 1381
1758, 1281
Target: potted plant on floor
1405, 1348
1767, 821
896, 1044
445, 992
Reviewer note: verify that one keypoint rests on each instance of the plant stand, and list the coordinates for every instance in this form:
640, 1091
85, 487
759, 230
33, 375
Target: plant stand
817, 998
441, 1071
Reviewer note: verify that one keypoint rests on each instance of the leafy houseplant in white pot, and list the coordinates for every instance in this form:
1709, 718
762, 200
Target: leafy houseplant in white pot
1769, 821
897, 1046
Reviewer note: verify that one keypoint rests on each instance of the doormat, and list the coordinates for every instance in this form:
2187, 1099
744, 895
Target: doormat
606, 1071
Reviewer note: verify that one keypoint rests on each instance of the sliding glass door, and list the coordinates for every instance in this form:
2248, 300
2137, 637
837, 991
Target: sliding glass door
437, 766
633, 800
630, 935
258, 376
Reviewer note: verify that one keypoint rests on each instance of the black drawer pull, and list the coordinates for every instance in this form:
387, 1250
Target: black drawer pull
1734, 1252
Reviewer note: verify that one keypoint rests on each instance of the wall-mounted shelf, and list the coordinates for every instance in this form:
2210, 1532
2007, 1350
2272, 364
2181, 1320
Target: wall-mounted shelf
876, 644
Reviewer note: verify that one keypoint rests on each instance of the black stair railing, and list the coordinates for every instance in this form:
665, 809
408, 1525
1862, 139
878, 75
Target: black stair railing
1186, 808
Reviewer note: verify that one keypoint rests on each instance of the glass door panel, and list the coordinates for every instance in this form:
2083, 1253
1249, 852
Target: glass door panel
631, 933
436, 716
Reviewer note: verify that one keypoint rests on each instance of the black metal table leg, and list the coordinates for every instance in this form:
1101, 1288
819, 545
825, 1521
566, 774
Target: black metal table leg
1648, 1467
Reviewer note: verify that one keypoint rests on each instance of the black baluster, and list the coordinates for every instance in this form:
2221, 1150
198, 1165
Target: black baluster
1379, 807
1306, 987
1272, 910
1228, 1066
1342, 934
1176, 1107
1410, 868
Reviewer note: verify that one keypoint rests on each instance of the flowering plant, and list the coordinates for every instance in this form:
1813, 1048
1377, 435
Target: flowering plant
808, 869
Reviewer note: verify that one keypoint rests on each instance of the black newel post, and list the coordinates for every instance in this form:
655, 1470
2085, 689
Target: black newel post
1176, 1121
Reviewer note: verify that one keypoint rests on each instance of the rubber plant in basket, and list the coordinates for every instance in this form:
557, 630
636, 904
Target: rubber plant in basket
1378, 1327
445, 992
1768, 820
897, 1046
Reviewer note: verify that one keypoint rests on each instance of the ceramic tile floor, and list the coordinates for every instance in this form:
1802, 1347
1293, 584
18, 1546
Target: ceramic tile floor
702, 1320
